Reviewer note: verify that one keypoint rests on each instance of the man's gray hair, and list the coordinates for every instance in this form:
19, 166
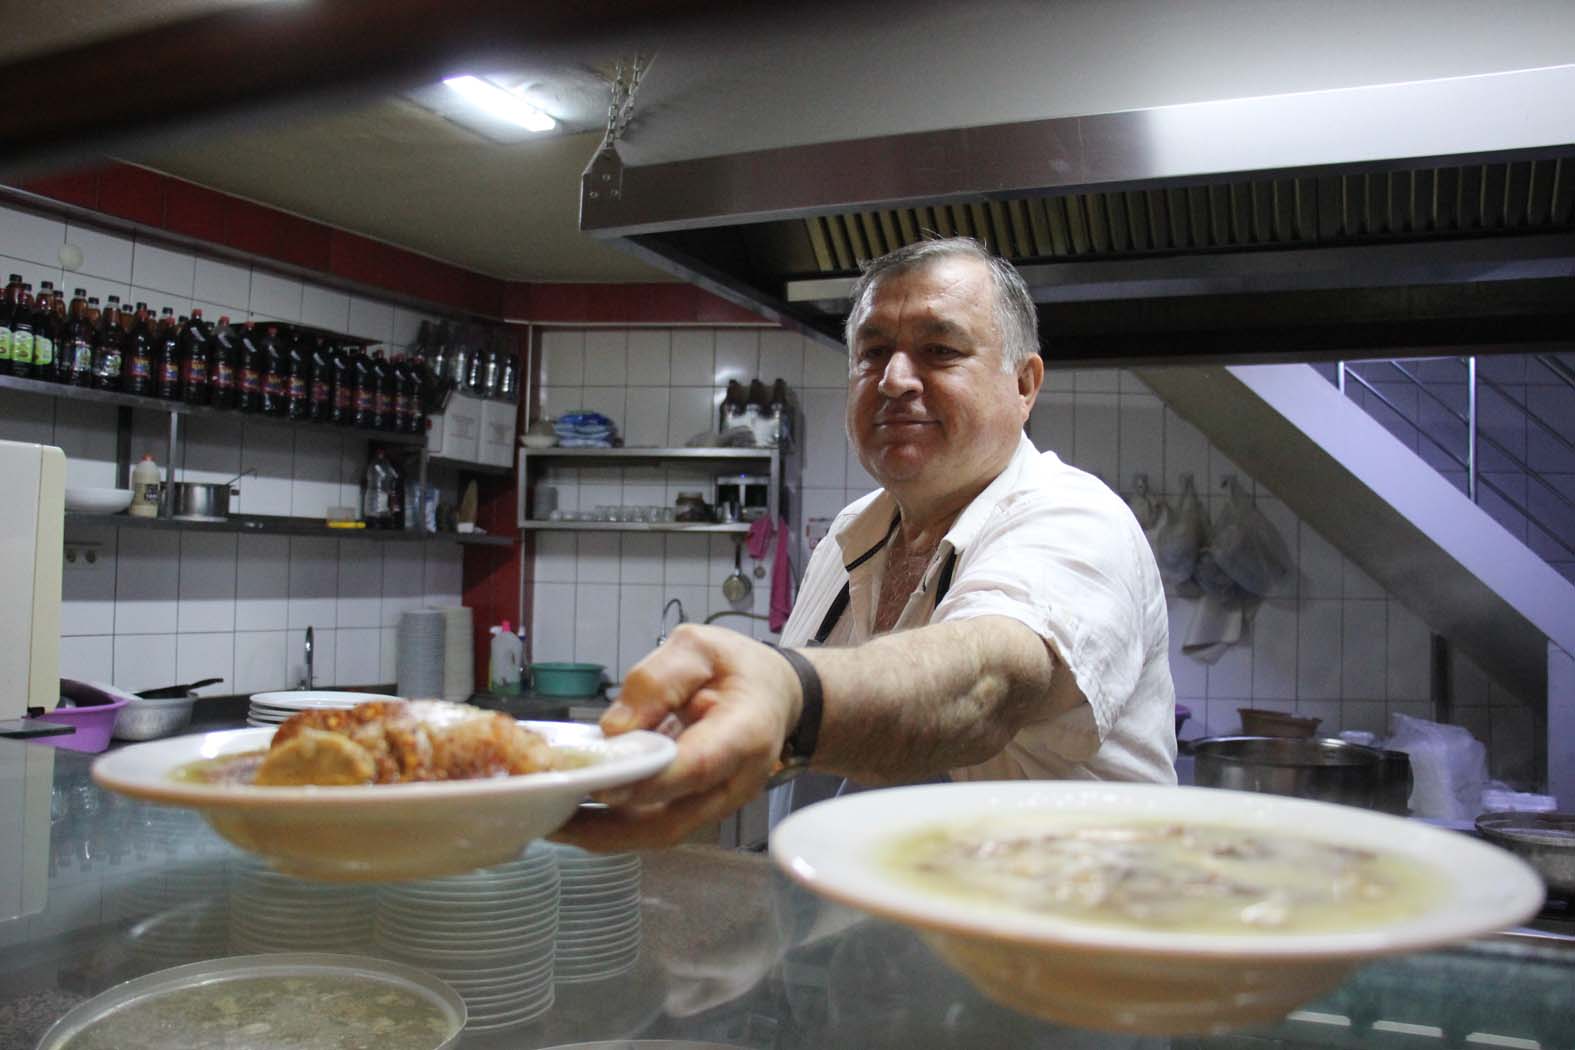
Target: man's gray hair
1014, 311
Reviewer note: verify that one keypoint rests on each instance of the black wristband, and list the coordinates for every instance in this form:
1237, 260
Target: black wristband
799, 747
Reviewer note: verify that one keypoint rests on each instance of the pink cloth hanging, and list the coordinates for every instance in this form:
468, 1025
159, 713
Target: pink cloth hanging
761, 534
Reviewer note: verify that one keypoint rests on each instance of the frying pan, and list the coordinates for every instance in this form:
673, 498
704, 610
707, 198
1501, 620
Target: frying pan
170, 692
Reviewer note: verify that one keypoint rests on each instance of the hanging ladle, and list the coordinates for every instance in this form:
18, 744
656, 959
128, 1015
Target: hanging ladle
737, 586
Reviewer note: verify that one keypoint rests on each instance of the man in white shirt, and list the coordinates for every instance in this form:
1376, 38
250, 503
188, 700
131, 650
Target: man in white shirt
989, 613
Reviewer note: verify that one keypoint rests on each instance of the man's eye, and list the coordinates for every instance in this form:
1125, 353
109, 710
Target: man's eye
945, 352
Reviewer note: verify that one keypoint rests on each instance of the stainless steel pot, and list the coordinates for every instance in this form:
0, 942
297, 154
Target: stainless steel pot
1546, 841
1316, 768
196, 501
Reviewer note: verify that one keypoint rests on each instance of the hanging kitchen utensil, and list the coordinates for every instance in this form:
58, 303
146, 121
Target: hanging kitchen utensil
737, 586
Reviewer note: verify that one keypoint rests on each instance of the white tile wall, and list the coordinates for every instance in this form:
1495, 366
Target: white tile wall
157, 607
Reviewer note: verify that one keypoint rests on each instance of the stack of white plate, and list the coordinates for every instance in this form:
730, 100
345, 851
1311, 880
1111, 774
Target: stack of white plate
181, 915
459, 661
269, 709
489, 934
270, 912
598, 914
418, 666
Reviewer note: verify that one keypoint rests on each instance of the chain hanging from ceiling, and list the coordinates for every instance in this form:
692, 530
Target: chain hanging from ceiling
625, 83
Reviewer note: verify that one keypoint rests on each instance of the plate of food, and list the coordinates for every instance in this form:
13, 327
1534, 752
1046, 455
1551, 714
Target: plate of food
1145, 908
386, 790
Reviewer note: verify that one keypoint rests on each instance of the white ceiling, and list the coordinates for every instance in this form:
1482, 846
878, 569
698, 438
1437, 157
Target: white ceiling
805, 73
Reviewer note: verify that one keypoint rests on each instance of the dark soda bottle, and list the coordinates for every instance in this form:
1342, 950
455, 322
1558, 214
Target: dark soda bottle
45, 338
384, 391
275, 374
196, 366
297, 382
22, 333
341, 387
76, 357
404, 400
13, 289
166, 357
422, 380
139, 354
249, 388
365, 391
108, 353
225, 354
320, 392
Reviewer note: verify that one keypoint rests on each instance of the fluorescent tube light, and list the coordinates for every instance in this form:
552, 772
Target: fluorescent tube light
499, 104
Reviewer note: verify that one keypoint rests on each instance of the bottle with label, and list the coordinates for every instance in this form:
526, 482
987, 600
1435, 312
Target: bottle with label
45, 339
385, 391
22, 334
139, 354
77, 351
491, 384
108, 352
13, 289
510, 387
380, 494
507, 653
298, 379
341, 388
320, 389
275, 374
225, 354
166, 357
196, 366
248, 386
145, 489
57, 328
404, 396
363, 384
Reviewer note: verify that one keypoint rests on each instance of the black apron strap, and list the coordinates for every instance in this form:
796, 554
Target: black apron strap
839, 605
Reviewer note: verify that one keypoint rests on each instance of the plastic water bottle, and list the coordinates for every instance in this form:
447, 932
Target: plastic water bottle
508, 651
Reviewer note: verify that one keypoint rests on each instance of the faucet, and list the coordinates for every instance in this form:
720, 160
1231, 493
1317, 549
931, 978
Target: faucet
662, 631
306, 683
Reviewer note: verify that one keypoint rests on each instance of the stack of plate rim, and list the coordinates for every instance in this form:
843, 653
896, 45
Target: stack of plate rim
489, 934
270, 912
269, 709
459, 676
598, 914
418, 666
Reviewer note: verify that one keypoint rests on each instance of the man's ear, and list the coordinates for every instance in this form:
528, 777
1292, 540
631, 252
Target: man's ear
1030, 377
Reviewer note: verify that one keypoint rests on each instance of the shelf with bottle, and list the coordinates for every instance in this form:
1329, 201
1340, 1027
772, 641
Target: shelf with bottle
286, 526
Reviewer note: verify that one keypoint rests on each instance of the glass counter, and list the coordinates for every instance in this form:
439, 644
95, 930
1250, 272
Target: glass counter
691, 945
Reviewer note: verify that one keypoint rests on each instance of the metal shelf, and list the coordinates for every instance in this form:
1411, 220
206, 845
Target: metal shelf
283, 526
632, 526
639, 454
158, 404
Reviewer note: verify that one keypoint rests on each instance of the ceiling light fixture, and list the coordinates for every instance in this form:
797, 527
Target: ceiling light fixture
500, 104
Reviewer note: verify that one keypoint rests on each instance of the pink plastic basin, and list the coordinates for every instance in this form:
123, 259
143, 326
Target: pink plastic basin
94, 725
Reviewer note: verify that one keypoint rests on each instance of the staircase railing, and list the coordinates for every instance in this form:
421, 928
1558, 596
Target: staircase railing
1469, 461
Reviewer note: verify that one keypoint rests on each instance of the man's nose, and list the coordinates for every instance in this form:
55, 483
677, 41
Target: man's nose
900, 378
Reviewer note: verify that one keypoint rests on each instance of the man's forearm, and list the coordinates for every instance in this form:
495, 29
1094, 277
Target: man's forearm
917, 703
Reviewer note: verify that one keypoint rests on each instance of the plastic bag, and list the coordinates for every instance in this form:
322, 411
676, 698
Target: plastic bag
1448, 767
1245, 546
1178, 542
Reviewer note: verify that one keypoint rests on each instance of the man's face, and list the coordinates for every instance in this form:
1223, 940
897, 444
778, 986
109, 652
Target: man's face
930, 408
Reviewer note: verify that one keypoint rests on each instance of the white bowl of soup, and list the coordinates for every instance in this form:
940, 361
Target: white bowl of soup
1143, 908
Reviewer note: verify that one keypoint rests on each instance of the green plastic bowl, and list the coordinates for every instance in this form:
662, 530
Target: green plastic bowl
565, 679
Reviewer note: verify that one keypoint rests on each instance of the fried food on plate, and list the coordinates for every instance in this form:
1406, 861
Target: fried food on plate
397, 741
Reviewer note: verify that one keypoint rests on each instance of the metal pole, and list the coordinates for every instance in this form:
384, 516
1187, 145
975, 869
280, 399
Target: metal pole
1471, 428
167, 503
1340, 376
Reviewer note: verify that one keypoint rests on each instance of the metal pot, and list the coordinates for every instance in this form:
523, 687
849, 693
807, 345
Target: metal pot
1316, 768
196, 501
1546, 841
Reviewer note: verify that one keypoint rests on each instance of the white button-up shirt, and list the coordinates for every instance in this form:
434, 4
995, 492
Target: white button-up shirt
1052, 547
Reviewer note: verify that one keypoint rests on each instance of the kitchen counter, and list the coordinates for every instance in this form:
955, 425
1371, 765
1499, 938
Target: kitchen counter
730, 953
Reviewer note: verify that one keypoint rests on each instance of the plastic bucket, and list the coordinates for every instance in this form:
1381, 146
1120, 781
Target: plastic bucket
566, 679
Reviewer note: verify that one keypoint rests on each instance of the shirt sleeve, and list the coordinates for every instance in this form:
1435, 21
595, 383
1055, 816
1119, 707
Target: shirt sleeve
1067, 567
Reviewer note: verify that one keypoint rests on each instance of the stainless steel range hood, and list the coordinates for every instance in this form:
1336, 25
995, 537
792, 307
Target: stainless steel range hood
1301, 225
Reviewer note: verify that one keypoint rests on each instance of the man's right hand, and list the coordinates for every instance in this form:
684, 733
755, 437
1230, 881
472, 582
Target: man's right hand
736, 699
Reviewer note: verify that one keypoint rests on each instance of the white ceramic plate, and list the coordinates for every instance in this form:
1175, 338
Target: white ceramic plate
1149, 980
97, 500
383, 832
293, 700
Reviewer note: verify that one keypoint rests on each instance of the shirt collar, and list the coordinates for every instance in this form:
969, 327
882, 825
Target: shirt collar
870, 531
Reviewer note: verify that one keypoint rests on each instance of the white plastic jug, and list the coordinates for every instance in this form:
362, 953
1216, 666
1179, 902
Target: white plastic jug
508, 652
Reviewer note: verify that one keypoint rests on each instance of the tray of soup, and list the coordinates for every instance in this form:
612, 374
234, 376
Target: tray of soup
387, 790
328, 1002
1147, 908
